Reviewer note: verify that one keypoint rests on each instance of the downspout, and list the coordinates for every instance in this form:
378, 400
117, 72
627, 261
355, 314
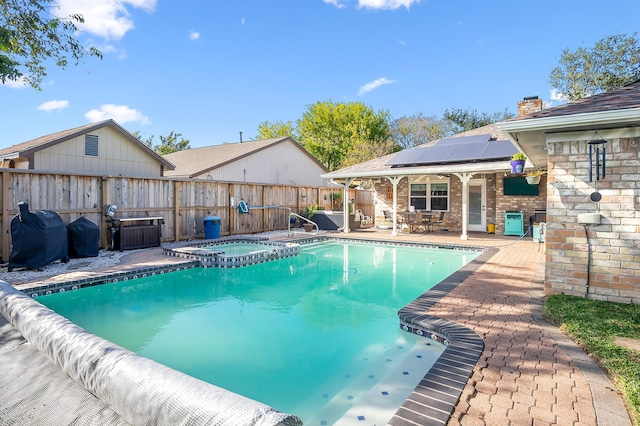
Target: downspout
586, 291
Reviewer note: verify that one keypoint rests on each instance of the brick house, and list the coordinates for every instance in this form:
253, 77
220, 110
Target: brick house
466, 176
592, 150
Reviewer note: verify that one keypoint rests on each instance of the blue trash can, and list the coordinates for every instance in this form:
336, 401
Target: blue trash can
211, 227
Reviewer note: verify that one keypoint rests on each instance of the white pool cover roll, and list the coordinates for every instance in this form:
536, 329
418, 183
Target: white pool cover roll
142, 391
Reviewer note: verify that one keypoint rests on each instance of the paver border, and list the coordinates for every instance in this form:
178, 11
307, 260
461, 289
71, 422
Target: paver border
436, 396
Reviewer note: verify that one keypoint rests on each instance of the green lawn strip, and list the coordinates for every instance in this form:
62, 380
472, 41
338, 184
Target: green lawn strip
594, 325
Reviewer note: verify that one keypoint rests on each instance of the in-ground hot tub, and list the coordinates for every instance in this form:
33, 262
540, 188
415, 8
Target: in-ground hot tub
233, 253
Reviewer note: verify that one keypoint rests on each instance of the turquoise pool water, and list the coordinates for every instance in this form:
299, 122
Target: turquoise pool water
239, 248
298, 333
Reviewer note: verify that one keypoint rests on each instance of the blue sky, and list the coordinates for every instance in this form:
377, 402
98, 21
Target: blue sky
210, 69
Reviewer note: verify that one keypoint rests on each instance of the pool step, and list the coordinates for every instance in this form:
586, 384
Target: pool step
378, 390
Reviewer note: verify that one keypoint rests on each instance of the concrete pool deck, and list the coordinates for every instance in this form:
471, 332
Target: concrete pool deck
529, 372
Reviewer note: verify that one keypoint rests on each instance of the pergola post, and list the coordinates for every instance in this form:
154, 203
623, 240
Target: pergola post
394, 182
345, 203
465, 178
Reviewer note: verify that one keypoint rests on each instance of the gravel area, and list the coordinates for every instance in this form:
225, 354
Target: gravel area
104, 259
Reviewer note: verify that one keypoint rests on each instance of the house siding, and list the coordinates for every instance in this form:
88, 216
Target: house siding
280, 164
615, 247
117, 155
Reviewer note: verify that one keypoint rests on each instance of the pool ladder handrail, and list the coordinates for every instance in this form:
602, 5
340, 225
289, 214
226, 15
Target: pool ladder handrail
305, 219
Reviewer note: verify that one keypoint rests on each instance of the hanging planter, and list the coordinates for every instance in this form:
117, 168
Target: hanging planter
532, 180
517, 162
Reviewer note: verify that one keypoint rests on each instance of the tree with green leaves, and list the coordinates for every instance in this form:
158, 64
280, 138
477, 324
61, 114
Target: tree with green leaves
278, 129
329, 131
173, 142
463, 120
416, 129
31, 34
611, 63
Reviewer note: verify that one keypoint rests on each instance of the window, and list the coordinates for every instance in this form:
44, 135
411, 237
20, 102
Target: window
91, 145
440, 196
429, 195
418, 197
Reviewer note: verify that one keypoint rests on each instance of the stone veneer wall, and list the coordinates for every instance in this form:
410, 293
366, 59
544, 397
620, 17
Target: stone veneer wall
615, 245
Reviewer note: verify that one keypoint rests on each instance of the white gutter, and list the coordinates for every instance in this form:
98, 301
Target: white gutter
488, 167
591, 119
11, 156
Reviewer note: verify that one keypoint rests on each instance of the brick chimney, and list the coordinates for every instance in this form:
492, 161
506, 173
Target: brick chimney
528, 105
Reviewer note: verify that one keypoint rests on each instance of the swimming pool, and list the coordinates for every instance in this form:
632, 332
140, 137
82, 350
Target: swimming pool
319, 304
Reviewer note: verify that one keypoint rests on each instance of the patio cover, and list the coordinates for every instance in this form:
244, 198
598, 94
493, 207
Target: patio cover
387, 168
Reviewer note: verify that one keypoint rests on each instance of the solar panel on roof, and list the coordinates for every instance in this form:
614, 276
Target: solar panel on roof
455, 150
468, 152
406, 156
465, 140
500, 149
435, 154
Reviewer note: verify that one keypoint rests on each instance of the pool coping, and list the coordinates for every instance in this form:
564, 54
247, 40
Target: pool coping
435, 397
210, 258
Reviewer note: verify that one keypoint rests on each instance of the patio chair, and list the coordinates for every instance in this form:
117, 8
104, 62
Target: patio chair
364, 220
417, 222
437, 221
388, 216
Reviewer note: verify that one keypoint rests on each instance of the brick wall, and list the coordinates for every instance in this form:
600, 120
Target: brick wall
529, 105
615, 246
496, 202
527, 204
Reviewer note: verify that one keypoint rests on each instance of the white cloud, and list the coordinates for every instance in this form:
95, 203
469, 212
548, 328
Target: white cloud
374, 85
558, 96
20, 83
109, 19
53, 105
194, 35
335, 3
242, 21
120, 113
385, 4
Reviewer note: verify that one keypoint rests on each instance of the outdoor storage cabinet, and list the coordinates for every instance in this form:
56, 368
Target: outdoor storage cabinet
137, 232
514, 223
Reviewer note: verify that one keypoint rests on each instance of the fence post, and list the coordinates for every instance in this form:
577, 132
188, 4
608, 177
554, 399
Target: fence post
176, 210
6, 220
264, 209
104, 226
232, 217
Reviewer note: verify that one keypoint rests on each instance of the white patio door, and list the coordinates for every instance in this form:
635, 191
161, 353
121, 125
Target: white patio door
477, 203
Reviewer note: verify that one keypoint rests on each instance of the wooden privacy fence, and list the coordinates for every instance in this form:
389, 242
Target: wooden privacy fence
183, 204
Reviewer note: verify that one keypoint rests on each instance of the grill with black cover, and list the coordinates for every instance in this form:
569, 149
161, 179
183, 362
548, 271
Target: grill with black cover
37, 239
